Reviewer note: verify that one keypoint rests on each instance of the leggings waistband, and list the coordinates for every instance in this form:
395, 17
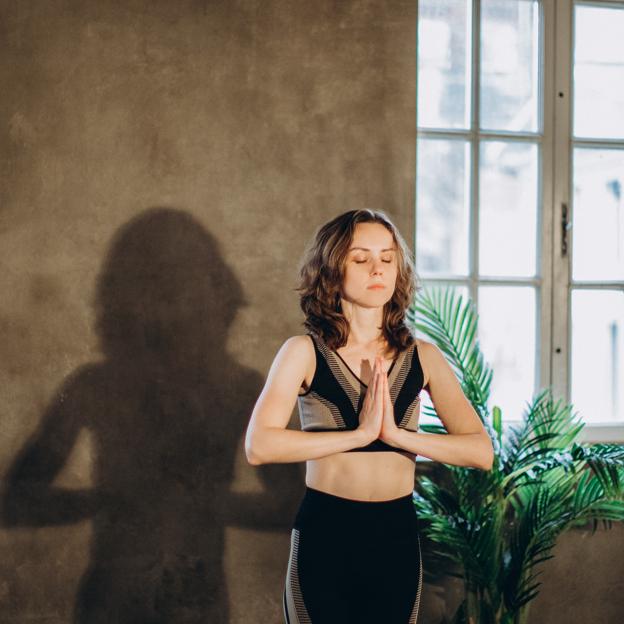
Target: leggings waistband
332, 499
321, 509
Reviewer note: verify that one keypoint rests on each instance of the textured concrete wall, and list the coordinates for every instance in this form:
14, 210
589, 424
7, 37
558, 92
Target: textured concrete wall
163, 164
584, 581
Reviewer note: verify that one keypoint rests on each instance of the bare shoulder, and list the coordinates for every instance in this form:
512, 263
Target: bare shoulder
424, 345
299, 345
430, 357
295, 361
297, 351
286, 374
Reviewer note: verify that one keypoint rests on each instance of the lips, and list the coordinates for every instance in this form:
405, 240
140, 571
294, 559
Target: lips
375, 286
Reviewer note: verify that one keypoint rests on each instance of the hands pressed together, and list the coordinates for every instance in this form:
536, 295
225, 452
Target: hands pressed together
377, 414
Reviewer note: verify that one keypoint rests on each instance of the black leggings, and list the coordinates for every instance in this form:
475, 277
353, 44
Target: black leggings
353, 561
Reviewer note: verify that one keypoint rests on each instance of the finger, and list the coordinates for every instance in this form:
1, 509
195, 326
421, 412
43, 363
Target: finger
369, 394
385, 389
387, 397
379, 393
380, 375
366, 400
374, 386
371, 383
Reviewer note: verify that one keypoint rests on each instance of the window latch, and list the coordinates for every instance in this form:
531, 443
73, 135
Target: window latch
565, 226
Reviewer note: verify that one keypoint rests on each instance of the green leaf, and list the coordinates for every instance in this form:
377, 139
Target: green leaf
498, 527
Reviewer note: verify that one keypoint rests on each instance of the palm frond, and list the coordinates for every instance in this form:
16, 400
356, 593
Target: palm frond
531, 539
606, 461
473, 486
500, 526
468, 534
451, 322
592, 501
546, 425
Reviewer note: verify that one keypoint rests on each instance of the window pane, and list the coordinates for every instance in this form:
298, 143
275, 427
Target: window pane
442, 220
508, 196
597, 354
598, 215
598, 71
510, 65
444, 67
507, 335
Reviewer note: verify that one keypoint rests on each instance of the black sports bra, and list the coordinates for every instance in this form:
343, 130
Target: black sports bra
335, 396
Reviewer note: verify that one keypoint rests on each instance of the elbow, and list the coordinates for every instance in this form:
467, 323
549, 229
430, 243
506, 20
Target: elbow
487, 465
486, 458
252, 458
252, 453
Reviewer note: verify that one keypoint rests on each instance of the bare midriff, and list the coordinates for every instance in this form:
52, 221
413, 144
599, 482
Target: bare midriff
366, 476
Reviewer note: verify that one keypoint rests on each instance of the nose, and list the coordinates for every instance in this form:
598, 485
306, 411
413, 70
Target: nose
377, 267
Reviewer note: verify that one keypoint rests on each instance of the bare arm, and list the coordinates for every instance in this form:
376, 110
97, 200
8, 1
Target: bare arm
467, 443
267, 440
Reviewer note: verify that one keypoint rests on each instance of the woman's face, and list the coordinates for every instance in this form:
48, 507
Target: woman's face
371, 266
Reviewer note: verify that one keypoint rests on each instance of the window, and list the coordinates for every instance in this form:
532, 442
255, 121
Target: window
520, 191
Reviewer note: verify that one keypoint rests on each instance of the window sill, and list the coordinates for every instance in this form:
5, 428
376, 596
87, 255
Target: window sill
612, 433
595, 433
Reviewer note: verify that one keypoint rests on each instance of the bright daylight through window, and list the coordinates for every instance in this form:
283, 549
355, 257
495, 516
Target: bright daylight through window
520, 192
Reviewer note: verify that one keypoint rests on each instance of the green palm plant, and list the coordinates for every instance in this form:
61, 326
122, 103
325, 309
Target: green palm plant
498, 526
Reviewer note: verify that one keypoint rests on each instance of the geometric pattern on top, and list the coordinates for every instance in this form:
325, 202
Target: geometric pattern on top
335, 396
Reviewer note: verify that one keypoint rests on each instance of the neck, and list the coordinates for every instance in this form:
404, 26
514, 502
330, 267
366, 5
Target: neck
364, 325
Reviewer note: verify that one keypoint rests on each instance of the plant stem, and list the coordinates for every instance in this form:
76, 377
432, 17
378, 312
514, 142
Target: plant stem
472, 607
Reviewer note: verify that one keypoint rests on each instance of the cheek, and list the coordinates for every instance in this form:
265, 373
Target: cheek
349, 278
354, 278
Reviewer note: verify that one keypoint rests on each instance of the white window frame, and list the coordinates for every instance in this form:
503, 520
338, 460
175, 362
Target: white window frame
561, 15
552, 282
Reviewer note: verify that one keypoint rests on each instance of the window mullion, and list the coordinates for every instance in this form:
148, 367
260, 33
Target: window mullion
473, 269
547, 95
561, 98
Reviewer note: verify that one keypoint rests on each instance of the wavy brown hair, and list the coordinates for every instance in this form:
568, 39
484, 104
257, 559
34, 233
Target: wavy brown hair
321, 275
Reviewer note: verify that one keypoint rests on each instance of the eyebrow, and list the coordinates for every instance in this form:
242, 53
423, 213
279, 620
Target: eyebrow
366, 249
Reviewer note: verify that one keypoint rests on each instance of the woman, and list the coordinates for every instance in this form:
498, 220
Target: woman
357, 374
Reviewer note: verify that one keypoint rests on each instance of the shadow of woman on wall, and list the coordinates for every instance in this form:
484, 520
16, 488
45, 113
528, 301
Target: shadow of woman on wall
166, 407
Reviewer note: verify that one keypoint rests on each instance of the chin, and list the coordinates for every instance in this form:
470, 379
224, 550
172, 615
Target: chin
378, 298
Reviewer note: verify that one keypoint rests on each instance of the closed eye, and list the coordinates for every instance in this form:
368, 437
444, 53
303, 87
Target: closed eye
362, 261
